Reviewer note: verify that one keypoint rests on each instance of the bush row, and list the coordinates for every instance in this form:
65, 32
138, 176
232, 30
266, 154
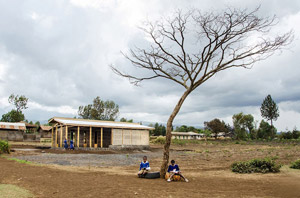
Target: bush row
265, 165
296, 164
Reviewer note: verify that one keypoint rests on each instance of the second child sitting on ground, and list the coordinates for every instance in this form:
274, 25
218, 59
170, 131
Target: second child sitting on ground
144, 167
174, 170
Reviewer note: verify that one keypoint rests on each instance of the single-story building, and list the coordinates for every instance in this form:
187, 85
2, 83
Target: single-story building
187, 135
12, 131
98, 133
45, 131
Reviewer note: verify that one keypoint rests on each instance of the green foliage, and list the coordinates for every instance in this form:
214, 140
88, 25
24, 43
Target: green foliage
184, 128
266, 131
13, 116
295, 164
4, 147
125, 120
265, 165
269, 109
216, 126
243, 126
295, 134
99, 110
20, 102
160, 140
159, 129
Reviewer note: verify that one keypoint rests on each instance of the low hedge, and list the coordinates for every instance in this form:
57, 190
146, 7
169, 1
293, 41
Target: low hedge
4, 147
265, 165
295, 164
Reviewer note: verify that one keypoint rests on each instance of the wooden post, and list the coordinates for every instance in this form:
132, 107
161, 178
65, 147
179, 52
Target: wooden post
111, 135
66, 132
90, 137
52, 145
101, 137
56, 145
78, 131
61, 140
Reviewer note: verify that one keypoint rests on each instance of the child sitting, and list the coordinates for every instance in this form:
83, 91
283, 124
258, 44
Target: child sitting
174, 170
144, 167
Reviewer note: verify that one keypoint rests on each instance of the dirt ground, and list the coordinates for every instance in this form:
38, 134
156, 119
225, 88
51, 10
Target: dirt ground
206, 165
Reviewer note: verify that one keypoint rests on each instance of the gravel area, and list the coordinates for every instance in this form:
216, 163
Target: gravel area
96, 160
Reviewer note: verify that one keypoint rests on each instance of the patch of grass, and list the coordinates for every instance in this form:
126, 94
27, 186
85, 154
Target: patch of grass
20, 161
13, 191
265, 165
179, 142
295, 164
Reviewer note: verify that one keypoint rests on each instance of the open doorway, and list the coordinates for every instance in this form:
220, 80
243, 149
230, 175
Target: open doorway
106, 137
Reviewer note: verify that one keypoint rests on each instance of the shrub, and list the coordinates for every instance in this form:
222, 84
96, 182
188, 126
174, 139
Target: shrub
256, 166
4, 147
295, 164
160, 140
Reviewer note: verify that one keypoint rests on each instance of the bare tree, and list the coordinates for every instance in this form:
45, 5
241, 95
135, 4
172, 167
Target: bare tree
192, 47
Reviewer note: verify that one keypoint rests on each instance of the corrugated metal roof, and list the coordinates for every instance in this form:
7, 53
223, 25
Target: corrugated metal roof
186, 133
99, 123
12, 125
46, 128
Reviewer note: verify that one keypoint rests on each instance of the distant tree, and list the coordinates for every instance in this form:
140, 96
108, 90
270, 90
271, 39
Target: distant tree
13, 116
159, 129
125, 120
99, 110
295, 133
243, 125
190, 48
16, 115
20, 102
216, 126
266, 131
269, 109
185, 128
37, 123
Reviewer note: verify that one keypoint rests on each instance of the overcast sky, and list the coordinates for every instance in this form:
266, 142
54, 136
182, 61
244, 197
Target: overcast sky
57, 53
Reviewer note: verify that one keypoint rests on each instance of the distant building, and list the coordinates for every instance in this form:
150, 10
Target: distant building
187, 135
45, 131
11, 131
98, 133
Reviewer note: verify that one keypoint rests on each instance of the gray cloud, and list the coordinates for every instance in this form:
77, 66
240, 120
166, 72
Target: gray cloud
58, 54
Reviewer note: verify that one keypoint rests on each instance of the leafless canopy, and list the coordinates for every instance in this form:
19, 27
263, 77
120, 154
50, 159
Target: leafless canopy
191, 47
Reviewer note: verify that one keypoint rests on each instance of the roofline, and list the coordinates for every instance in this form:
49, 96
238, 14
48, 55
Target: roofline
101, 121
89, 120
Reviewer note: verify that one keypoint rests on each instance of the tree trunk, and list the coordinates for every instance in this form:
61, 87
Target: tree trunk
271, 122
165, 161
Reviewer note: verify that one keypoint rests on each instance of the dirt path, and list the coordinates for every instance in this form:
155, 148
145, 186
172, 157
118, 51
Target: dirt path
50, 182
207, 166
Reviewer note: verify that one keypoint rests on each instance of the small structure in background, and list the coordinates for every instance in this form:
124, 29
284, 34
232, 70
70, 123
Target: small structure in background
187, 135
45, 131
99, 134
11, 131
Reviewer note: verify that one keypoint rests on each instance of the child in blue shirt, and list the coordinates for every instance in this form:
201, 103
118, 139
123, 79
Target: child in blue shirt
144, 167
174, 170
66, 144
71, 145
